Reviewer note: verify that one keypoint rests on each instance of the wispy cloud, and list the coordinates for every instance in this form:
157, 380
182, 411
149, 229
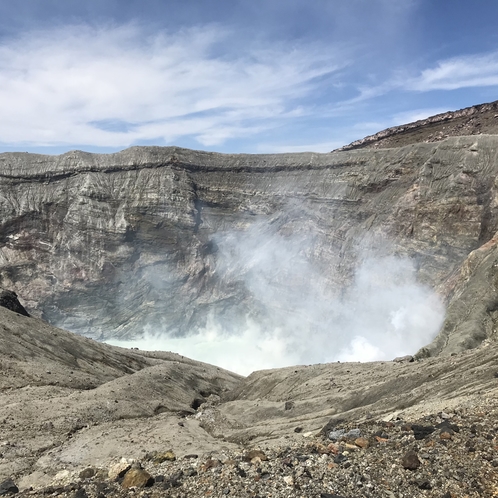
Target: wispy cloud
459, 72
479, 70
116, 86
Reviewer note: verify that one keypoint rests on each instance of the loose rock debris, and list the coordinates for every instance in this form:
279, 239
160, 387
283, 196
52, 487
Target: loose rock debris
454, 455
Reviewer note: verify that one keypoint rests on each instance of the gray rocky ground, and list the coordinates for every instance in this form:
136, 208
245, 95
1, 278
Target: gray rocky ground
72, 409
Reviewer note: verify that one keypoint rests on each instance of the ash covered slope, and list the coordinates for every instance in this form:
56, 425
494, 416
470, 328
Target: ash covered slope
68, 403
474, 120
107, 245
60, 391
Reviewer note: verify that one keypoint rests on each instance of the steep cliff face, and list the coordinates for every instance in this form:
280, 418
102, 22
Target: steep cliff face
159, 238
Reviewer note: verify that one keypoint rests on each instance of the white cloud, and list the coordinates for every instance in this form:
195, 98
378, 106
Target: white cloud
479, 70
458, 72
115, 86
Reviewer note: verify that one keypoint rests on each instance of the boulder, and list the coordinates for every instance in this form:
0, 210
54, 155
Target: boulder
9, 300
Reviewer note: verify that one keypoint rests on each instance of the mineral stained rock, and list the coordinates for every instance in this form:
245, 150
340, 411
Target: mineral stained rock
158, 238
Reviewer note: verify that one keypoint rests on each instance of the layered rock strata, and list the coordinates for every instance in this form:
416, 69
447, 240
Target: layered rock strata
112, 245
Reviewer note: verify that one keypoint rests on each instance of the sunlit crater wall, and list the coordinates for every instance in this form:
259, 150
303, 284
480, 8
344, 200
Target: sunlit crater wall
280, 249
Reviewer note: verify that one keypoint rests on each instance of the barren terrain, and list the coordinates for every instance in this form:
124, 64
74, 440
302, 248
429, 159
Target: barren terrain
70, 404
87, 242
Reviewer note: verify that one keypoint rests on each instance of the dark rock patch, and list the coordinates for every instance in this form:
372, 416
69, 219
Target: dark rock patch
9, 300
8, 487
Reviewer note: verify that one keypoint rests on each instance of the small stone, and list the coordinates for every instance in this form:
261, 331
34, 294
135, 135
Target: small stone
423, 484
250, 455
289, 480
353, 434
289, 405
167, 456
137, 478
80, 493
8, 487
321, 449
362, 442
445, 435
119, 469
191, 472
298, 429
410, 461
447, 426
336, 434
174, 480
334, 449
9, 300
422, 431
340, 458
212, 463
87, 473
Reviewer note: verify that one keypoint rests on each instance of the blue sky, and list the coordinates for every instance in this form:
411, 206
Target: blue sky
235, 75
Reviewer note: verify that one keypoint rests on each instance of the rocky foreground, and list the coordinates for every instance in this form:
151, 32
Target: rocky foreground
446, 455
79, 418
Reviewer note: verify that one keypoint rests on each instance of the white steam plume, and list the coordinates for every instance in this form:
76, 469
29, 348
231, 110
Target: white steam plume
292, 315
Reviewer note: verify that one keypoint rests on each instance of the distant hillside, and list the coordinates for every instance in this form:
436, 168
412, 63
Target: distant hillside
475, 120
